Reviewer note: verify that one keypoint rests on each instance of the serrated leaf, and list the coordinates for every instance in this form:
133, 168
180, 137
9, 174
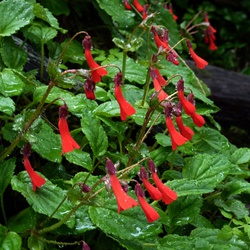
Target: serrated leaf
7, 105
235, 187
241, 156
134, 71
80, 158
118, 13
47, 16
184, 210
15, 14
11, 84
209, 169
9, 239
45, 142
6, 171
39, 33
76, 104
44, 200
130, 224
92, 128
234, 206
57, 8
108, 109
13, 56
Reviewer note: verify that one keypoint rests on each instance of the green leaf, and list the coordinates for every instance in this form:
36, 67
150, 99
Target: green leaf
234, 206
74, 52
92, 128
9, 240
134, 45
44, 200
13, 56
241, 156
134, 72
80, 158
235, 187
108, 109
209, 169
184, 210
7, 105
130, 224
76, 104
39, 33
163, 140
15, 14
35, 244
45, 142
47, 16
6, 171
56, 7
118, 13
11, 84
23, 221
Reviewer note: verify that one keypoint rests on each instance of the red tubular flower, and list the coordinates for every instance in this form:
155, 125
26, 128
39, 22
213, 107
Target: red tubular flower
209, 36
162, 95
199, 62
158, 41
124, 201
197, 119
127, 5
184, 130
176, 138
160, 78
96, 70
126, 109
168, 195
153, 191
85, 246
36, 179
145, 12
138, 5
149, 211
68, 143
170, 9
89, 87
188, 107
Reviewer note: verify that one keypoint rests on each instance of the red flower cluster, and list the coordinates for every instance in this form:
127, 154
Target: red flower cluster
96, 70
36, 179
199, 62
124, 201
184, 134
209, 36
161, 42
68, 143
126, 109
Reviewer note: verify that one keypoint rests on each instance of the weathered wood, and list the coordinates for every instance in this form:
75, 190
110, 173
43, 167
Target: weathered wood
230, 91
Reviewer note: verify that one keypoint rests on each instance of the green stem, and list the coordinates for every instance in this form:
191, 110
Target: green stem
146, 88
61, 222
42, 61
2, 208
124, 62
37, 112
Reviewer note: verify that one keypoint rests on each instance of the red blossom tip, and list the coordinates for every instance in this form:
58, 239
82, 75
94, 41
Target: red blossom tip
89, 88
143, 173
127, 5
26, 150
168, 110
151, 166
139, 191
87, 42
85, 188
63, 111
85, 246
110, 167
118, 79
138, 6
149, 211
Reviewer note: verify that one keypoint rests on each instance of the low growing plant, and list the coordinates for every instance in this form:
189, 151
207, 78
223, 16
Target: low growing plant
114, 149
